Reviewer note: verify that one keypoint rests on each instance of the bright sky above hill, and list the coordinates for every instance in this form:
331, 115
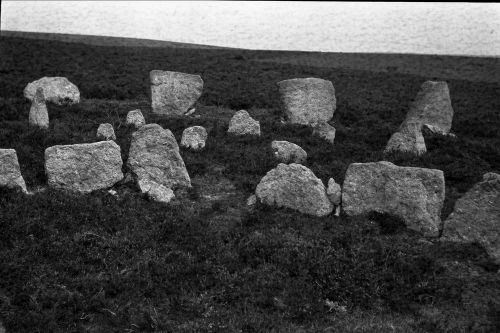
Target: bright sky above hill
432, 28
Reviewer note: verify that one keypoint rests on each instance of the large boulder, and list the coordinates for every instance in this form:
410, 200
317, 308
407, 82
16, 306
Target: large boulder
10, 173
84, 167
154, 156
325, 131
106, 132
308, 101
415, 195
287, 152
173, 93
57, 90
243, 124
194, 137
39, 116
294, 186
407, 139
135, 118
476, 216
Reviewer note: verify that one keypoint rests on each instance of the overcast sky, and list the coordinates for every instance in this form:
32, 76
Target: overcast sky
432, 28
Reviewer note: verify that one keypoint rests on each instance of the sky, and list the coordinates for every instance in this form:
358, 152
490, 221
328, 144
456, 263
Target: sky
421, 28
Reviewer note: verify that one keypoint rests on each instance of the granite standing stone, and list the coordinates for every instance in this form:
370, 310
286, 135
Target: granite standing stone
10, 173
135, 118
39, 116
194, 137
243, 124
106, 132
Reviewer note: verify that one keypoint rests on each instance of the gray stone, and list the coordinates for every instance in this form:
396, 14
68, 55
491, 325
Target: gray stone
194, 137
294, 186
155, 191
308, 101
252, 200
476, 216
407, 139
287, 152
84, 167
325, 131
39, 116
243, 124
154, 156
57, 90
135, 118
334, 192
106, 132
10, 173
415, 195
174, 93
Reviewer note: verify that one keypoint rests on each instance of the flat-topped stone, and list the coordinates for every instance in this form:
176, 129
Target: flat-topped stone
57, 90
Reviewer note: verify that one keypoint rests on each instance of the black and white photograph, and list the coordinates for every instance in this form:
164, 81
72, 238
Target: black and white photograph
249, 167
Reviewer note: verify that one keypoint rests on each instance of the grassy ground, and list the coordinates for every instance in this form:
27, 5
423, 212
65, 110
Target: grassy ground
205, 263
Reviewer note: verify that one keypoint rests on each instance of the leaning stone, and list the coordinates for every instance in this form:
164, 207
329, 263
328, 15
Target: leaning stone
296, 187
174, 93
10, 173
156, 192
154, 156
408, 139
57, 90
415, 195
476, 216
194, 137
243, 124
135, 118
39, 116
307, 101
84, 167
106, 132
325, 131
287, 152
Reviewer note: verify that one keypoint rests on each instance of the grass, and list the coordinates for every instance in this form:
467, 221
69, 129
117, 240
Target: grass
205, 262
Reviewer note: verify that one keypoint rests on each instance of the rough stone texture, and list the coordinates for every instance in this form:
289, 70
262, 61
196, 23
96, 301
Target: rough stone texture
39, 116
432, 106
334, 192
408, 139
252, 200
476, 216
84, 167
154, 156
194, 137
287, 152
156, 192
325, 131
135, 118
243, 124
307, 101
294, 186
415, 195
174, 93
57, 90
106, 132
10, 173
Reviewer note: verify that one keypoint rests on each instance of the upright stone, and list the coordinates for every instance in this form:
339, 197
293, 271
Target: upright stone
243, 124
287, 152
106, 132
408, 139
415, 195
135, 118
476, 216
194, 137
154, 156
84, 167
307, 101
294, 186
10, 173
39, 116
57, 90
173, 93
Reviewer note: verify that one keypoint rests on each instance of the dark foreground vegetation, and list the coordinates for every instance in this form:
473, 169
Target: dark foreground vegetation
206, 263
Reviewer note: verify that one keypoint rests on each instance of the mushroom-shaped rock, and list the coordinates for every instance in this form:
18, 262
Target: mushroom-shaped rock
407, 139
476, 216
415, 195
307, 101
294, 186
106, 132
10, 173
39, 116
325, 131
174, 93
287, 152
84, 167
135, 118
155, 191
243, 124
194, 137
154, 156
57, 90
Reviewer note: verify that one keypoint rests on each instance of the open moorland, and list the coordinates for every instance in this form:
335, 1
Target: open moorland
207, 263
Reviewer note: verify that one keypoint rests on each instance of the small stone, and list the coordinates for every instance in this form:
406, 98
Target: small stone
252, 200
106, 132
325, 131
194, 137
10, 172
243, 124
39, 116
57, 90
287, 152
155, 191
334, 192
408, 139
135, 118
